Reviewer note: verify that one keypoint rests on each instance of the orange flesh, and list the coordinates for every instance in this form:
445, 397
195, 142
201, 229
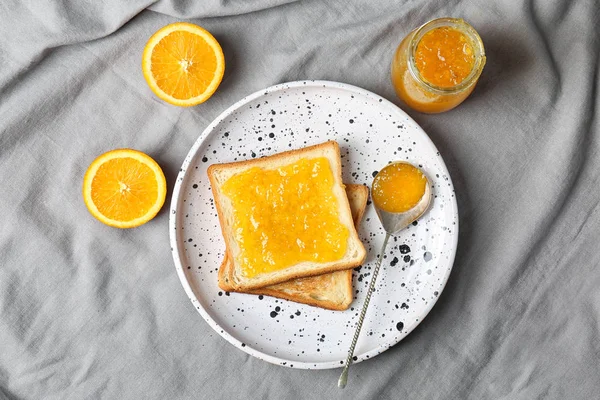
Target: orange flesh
286, 216
124, 189
398, 187
444, 57
183, 64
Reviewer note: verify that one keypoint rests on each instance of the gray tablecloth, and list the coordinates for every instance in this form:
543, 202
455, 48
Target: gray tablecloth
88, 311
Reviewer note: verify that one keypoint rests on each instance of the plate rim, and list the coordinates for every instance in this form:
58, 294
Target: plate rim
173, 215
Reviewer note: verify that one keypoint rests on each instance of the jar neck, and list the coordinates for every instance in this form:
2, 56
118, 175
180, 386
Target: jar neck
475, 41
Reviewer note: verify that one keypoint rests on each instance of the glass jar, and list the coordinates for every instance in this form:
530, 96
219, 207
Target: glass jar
418, 93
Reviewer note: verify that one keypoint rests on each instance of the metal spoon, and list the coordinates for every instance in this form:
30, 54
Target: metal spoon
392, 223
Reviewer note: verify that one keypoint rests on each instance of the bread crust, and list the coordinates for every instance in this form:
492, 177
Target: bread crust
253, 283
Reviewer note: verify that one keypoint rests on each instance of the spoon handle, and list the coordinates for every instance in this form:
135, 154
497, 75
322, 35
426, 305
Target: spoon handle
344, 376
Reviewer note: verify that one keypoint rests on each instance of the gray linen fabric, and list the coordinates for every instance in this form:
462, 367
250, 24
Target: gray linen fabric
88, 311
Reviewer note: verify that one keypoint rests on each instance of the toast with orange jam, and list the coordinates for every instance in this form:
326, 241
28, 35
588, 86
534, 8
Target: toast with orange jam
285, 216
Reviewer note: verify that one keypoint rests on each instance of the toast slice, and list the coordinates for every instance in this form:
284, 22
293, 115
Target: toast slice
333, 290
326, 158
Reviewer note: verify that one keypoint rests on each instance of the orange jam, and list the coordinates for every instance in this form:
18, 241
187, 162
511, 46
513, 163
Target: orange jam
398, 187
285, 216
436, 67
444, 57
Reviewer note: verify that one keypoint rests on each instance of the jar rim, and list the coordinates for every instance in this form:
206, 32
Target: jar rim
463, 27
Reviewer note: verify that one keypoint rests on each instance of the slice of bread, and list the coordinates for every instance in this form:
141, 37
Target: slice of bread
219, 174
333, 290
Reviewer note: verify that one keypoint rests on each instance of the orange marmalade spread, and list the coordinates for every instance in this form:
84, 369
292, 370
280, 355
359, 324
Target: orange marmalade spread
285, 216
444, 57
398, 187
436, 66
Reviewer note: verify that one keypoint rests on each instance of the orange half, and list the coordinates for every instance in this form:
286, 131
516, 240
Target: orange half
183, 64
124, 188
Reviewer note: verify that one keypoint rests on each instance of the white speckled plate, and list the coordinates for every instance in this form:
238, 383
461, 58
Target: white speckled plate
371, 131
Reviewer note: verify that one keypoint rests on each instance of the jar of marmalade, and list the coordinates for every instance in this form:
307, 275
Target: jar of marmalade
436, 66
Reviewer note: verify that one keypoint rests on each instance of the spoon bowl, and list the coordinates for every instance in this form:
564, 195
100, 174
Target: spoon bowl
395, 222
